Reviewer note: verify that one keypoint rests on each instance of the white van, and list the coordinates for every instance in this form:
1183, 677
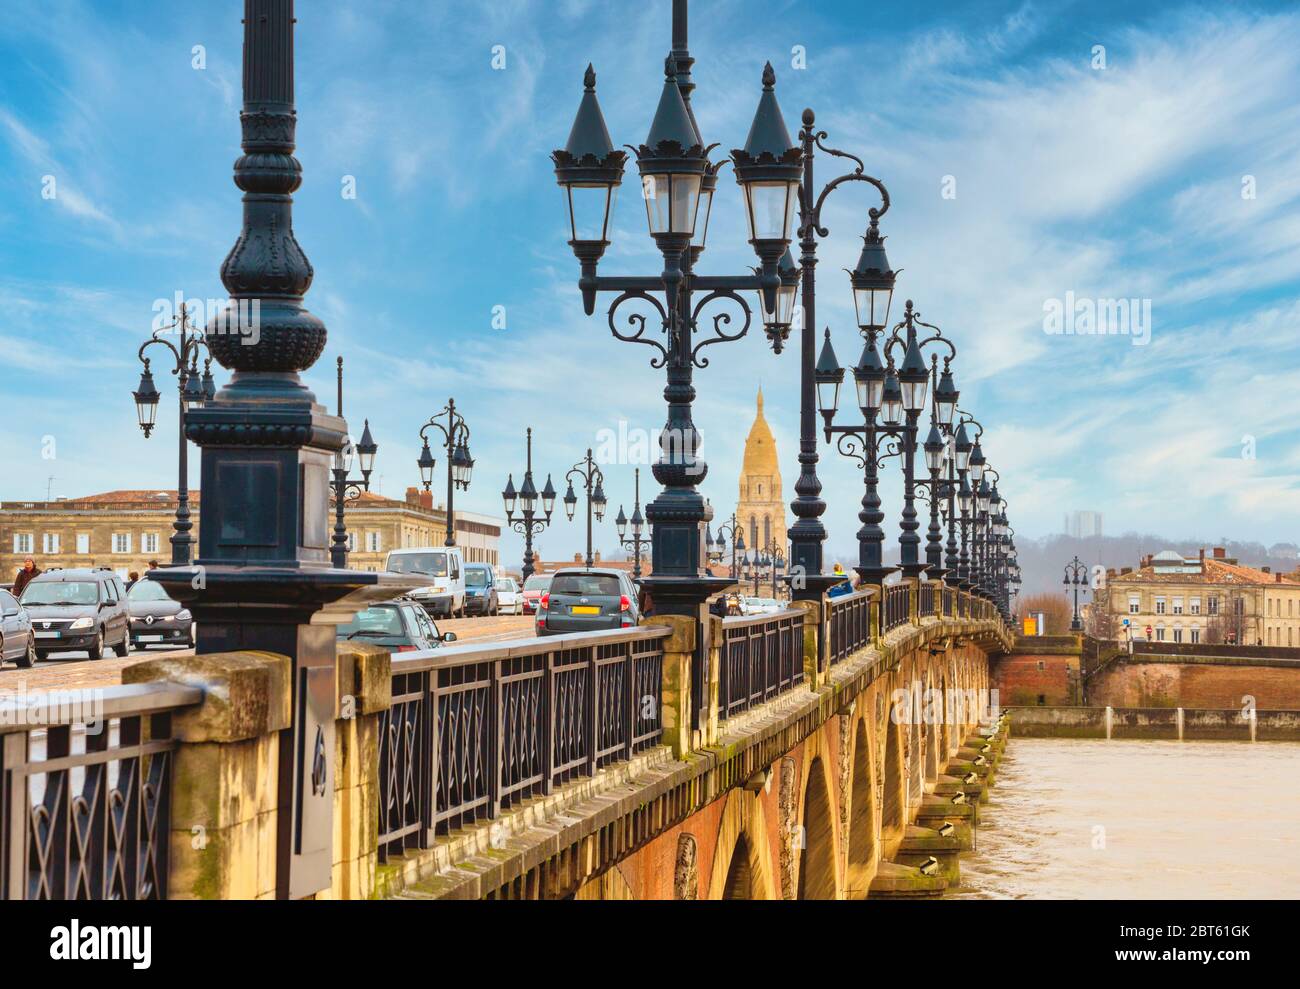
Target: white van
444, 595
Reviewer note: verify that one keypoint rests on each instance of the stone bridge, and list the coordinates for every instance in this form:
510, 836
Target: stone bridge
834, 750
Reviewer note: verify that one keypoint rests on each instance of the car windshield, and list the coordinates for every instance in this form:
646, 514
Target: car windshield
586, 583
373, 621
476, 577
69, 592
433, 564
537, 582
148, 590
506, 584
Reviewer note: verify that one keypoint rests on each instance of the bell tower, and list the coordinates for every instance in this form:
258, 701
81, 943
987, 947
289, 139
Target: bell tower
760, 504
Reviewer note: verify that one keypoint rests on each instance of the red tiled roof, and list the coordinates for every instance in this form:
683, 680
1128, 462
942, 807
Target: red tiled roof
1214, 572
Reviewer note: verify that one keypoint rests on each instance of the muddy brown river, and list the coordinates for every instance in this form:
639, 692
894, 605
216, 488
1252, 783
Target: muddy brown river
1082, 819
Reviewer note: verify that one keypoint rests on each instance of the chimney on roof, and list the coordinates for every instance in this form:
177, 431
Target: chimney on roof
1202, 555
1220, 553
1278, 577
1268, 570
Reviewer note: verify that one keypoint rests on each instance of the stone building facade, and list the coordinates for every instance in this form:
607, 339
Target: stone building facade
761, 506
124, 530
1210, 598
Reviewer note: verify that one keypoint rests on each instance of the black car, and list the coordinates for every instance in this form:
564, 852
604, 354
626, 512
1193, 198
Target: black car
157, 619
583, 599
79, 609
402, 626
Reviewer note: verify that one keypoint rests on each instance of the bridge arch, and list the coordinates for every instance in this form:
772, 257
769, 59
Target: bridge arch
861, 839
817, 873
893, 807
742, 857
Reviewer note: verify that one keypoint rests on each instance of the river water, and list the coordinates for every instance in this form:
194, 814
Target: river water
1083, 819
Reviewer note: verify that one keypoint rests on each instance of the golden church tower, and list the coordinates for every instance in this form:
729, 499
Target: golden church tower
761, 508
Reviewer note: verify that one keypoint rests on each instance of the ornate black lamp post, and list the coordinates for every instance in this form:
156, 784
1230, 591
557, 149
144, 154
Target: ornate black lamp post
346, 490
525, 499
263, 579
194, 391
778, 566
593, 482
1076, 574
718, 548
455, 440
878, 394
635, 541
898, 398
678, 183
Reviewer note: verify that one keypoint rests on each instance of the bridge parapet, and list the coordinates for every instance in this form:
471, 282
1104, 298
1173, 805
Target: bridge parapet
446, 759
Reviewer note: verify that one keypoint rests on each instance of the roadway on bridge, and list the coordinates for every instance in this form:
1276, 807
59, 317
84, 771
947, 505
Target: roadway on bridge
73, 670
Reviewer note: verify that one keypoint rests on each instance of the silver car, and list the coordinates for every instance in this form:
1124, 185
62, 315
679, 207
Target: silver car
17, 641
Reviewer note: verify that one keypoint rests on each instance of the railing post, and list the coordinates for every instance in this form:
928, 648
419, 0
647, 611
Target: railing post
717, 656
914, 600
877, 618
364, 693
816, 630
679, 654
226, 797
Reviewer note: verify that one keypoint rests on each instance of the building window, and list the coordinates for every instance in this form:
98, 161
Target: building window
1196, 633
23, 542
121, 542
83, 542
50, 542
1178, 633
1134, 604
1160, 606
1194, 606
1178, 606
148, 542
352, 542
1213, 603
1160, 633
372, 542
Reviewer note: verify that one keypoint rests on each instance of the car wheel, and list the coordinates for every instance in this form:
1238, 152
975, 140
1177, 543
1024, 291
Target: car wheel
123, 648
97, 650
28, 659
41, 655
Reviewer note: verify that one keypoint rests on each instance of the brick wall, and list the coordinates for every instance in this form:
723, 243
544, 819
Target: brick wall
1029, 680
1195, 685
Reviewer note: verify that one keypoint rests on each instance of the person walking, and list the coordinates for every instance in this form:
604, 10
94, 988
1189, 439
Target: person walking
25, 576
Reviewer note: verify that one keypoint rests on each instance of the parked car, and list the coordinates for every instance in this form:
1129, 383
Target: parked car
402, 625
584, 599
509, 598
760, 606
444, 595
78, 609
17, 641
534, 587
156, 618
480, 589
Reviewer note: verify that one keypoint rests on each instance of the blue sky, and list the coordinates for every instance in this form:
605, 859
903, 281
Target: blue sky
1122, 181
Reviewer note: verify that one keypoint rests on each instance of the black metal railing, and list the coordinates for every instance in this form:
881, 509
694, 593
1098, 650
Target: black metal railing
475, 729
926, 600
949, 602
850, 623
896, 610
85, 792
761, 658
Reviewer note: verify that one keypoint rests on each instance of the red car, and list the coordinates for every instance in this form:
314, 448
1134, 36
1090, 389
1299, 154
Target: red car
534, 587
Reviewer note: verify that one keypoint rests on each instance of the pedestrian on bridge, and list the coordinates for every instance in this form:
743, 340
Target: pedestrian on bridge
25, 576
